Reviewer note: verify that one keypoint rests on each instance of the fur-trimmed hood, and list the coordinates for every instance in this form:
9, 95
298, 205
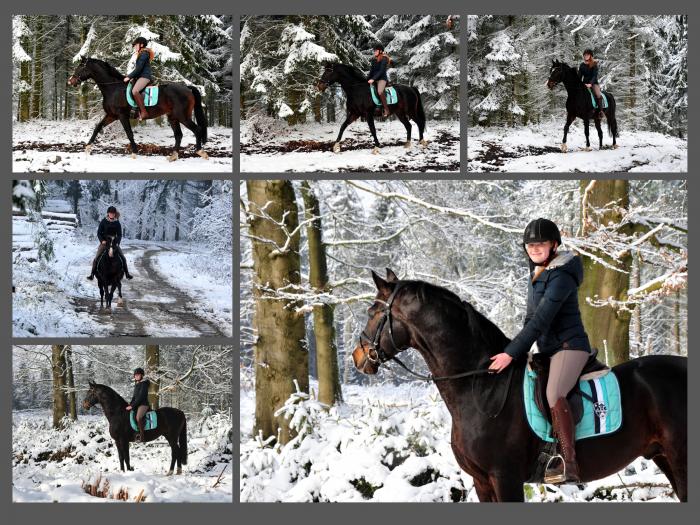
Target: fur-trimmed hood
569, 262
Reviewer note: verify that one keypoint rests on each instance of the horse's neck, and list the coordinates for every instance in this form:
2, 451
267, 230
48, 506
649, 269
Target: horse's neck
105, 81
571, 82
348, 80
111, 403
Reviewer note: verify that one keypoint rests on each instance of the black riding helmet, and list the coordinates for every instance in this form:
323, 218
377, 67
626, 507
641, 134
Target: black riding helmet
140, 40
139, 370
540, 230
588, 51
111, 209
379, 46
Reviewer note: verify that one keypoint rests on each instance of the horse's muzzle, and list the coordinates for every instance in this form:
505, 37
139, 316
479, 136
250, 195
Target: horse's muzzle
321, 86
363, 363
550, 84
86, 405
73, 81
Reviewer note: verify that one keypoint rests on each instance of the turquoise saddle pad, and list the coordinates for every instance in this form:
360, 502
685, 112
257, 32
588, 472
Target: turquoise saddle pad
391, 95
595, 104
150, 96
603, 416
151, 420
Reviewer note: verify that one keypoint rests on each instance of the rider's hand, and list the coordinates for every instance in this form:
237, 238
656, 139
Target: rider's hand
588, 85
370, 81
126, 79
104, 242
500, 362
128, 407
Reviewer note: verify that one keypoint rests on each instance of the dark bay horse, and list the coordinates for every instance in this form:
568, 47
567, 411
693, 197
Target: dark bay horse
176, 101
578, 104
498, 448
172, 425
360, 104
110, 273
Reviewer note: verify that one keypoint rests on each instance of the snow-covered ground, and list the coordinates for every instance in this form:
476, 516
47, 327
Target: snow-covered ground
52, 466
308, 148
536, 148
41, 146
392, 443
180, 298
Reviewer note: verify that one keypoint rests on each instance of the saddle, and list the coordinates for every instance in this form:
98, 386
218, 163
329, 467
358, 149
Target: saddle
539, 363
595, 103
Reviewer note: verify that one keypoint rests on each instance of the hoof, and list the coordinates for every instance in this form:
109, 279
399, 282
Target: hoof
88, 149
587, 148
563, 148
120, 302
169, 473
424, 143
375, 151
336, 147
407, 145
179, 471
173, 156
133, 156
203, 154
615, 146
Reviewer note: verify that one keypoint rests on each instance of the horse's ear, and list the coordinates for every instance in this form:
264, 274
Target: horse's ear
391, 276
91, 383
382, 286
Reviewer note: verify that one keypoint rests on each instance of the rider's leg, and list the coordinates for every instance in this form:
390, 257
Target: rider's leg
564, 371
139, 85
123, 259
141, 421
381, 84
101, 248
598, 98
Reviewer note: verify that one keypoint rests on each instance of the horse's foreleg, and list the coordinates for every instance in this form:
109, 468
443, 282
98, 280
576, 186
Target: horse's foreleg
124, 119
586, 131
599, 129
102, 293
177, 130
370, 123
507, 486
349, 119
126, 455
106, 120
406, 124
569, 120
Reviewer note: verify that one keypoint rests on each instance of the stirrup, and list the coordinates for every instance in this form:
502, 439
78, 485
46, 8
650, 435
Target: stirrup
555, 479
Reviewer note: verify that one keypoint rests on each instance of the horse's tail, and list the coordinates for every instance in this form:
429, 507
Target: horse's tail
182, 443
199, 113
610, 117
420, 114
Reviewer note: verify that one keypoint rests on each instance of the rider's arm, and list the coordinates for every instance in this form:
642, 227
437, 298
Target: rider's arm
381, 69
560, 286
138, 67
594, 75
118, 239
101, 231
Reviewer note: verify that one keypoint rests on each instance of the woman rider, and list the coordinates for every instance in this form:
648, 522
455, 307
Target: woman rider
553, 320
141, 73
110, 227
139, 401
377, 74
588, 73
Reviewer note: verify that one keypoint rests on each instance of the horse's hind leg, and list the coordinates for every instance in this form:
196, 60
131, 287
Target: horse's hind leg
106, 120
507, 487
194, 128
599, 129
177, 130
174, 455
665, 466
406, 124
586, 131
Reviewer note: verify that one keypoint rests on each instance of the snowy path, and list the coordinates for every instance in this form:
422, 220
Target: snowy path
150, 302
537, 149
308, 148
50, 465
59, 301
43, 146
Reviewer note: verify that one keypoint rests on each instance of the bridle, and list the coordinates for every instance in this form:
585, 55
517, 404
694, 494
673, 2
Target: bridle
380, 356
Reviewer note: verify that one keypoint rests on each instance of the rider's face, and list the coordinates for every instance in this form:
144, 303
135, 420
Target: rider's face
376, 52
111, 215
138, 377
587, 57
539, 251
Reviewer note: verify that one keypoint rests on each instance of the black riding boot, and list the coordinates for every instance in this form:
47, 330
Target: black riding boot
382, 97
599, 101
94, 269
126, 269
142, 431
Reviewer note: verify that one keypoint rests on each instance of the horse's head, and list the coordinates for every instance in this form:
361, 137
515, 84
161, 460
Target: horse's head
386, 333
82, 72
91, 398
556, 73
329, 76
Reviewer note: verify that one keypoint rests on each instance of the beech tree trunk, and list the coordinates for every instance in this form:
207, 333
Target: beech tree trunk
152, 365
58, 372
70, 384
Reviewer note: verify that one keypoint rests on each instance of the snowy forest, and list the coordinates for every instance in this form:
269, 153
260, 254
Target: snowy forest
177, 241
63, 452
307, 248
285, 117
642, 60
46, 50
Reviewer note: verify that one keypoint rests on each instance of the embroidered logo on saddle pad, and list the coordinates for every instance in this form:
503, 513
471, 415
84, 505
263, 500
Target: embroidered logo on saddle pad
151, 420
391, 96
150, 96
602, 413
595, 104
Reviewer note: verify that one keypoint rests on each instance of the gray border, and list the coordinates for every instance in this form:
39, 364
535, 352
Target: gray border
406, 513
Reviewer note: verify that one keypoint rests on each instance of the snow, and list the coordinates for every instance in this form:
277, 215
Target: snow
19, 29
536, 148
307, 148
51, 465
45, 146
85, 49
391, 443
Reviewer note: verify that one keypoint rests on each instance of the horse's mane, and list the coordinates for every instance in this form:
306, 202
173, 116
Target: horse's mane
109, 67
478, 324
110, 391
353, 71
573, 72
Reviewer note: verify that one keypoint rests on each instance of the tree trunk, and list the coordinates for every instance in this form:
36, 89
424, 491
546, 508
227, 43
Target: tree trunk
605, 325
152, 369
59, 393
38, 77
636, 281
70, 384
280, 354
329, 391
